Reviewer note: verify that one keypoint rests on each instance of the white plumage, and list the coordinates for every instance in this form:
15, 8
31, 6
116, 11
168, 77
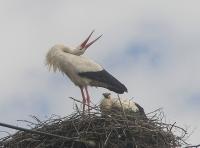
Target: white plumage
81, 70
110, 104
60, 58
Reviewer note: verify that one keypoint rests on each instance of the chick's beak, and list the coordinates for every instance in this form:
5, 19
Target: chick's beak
107, 95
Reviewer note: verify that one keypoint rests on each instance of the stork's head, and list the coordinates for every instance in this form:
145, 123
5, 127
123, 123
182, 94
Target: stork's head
107, 95
83, 46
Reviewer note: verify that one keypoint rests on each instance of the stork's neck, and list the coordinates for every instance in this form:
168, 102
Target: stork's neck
74, 51
65, 49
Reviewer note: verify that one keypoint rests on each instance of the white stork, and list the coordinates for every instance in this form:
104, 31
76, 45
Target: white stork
82, 71
109, 104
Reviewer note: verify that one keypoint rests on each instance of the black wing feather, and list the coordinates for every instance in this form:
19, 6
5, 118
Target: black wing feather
106, 80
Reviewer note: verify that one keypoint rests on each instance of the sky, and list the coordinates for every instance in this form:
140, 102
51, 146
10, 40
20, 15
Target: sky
150, 46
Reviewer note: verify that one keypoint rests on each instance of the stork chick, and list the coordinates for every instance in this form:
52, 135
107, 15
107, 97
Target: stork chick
109, 104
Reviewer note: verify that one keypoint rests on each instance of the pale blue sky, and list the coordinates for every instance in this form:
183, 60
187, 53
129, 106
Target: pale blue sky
151, 46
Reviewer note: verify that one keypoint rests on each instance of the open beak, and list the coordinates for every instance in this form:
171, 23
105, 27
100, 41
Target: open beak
85, 45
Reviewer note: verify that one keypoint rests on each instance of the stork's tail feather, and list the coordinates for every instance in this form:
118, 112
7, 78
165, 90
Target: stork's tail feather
106, 80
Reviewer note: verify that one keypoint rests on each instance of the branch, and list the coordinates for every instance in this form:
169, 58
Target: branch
92, 107
193, 146
35, 132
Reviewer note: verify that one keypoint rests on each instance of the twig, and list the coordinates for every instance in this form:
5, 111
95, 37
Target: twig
35, 132
172, 126
77, 109
154, 111
193, 146
123, 110
107, 138
92, 107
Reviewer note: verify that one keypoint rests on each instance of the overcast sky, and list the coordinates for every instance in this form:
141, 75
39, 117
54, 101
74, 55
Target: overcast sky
150, 46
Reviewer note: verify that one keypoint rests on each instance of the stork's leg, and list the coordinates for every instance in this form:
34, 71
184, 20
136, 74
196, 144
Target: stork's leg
84, 100
88, 98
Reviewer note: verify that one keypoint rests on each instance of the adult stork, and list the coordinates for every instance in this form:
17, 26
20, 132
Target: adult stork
82, 71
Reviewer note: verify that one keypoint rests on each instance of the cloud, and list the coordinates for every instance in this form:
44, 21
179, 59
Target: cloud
152, 47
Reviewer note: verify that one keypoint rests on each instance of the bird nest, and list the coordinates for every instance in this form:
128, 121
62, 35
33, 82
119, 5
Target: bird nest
94, 130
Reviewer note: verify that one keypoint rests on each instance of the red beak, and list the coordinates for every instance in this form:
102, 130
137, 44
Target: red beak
85, 45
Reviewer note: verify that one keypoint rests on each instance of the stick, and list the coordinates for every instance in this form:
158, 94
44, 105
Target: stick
123, 110
95, 107
35, 132
193, 146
